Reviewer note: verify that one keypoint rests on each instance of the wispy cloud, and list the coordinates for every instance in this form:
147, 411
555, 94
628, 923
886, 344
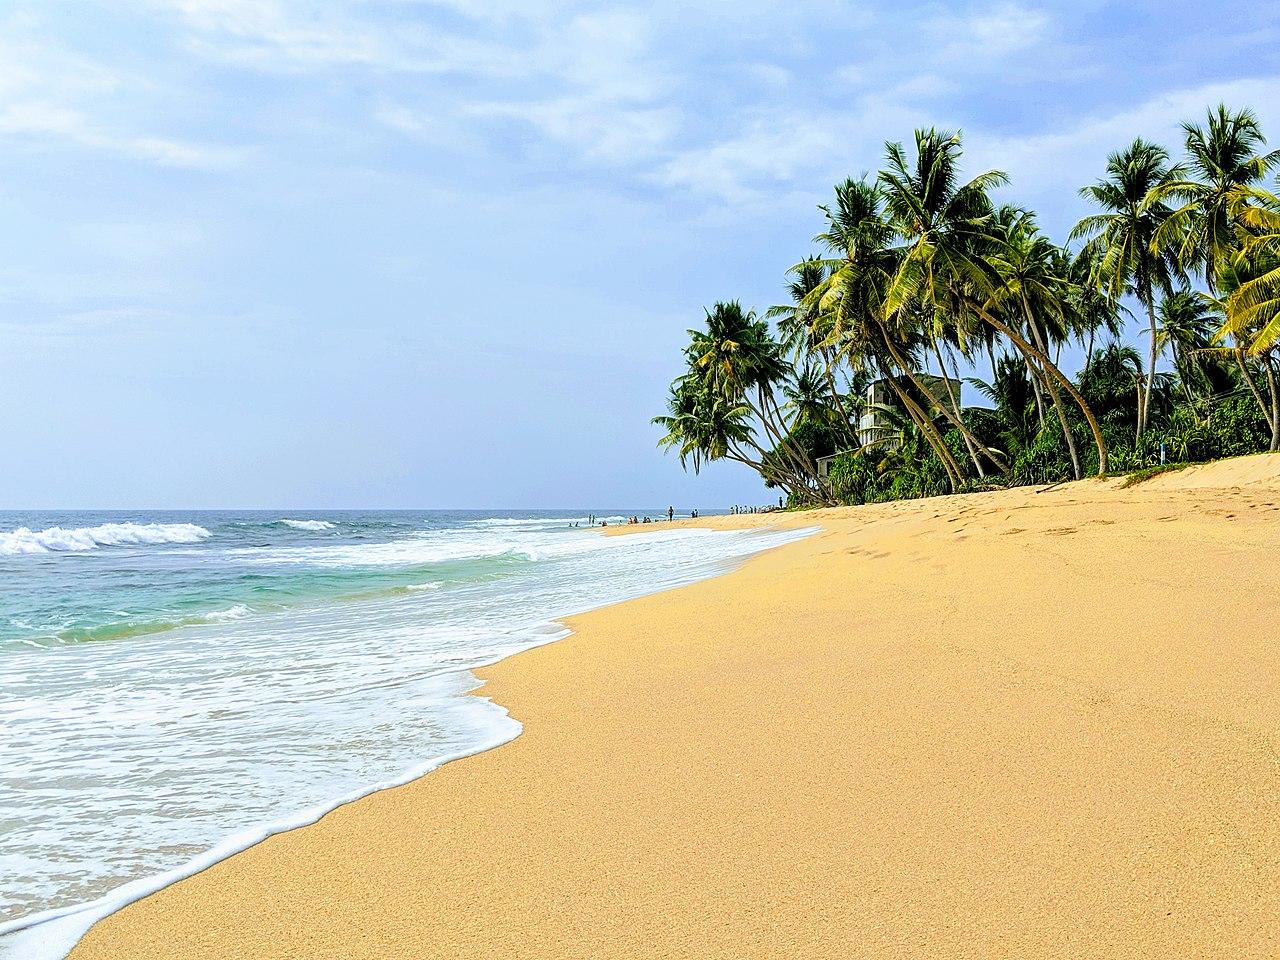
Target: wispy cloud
1061, 159
35, 120
49, 94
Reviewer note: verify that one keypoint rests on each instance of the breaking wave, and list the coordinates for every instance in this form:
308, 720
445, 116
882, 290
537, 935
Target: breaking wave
79, 539
308, 524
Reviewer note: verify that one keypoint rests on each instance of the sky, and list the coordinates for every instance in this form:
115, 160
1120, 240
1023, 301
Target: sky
443, 253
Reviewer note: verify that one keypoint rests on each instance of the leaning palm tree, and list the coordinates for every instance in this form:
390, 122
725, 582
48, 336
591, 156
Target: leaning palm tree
703, 425
946, 229
801, 334
735, 357
847, 308
1123, 237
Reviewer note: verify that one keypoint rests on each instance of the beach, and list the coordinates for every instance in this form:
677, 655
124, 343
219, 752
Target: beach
1039, 722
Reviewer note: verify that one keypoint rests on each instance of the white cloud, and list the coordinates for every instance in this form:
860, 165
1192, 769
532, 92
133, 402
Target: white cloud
51, 94
989, 35
780, 151
37, 120
1067, 158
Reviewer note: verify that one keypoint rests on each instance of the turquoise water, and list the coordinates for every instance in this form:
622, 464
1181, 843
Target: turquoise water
173, 683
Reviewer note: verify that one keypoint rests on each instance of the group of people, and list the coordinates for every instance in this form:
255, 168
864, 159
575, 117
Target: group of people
592, 520
766, 509
671, 515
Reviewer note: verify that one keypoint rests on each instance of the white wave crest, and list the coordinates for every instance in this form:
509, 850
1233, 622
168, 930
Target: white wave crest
308, 524
78, 539
231, 613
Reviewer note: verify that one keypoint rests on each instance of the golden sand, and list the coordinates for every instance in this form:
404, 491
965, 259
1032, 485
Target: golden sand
1019, 724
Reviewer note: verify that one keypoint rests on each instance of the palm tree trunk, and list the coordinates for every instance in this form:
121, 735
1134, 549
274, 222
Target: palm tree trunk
799, 452
955, 407
782, 451
930, 433
1145, 408
1275, 403
955, 421
851, 432
1238, 353
780, 444
1058, 375
1037, 389
1053, 393
766, 474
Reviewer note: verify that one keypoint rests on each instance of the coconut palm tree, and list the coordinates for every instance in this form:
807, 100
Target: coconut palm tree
847, 308
737, 358
946, 229
1223, 164
1035, 281
1091, 309
1188, 324
801, 335
1123, 236
1015, 406
1249, 288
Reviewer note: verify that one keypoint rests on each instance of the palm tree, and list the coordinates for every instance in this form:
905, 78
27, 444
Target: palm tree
1034, 279
1113, 376
947, 233
1091, 309
1011, 391
808, 400
801, 335
1223, 163
735, 357
846, 309
1249, 284
1124, 236
1188, 324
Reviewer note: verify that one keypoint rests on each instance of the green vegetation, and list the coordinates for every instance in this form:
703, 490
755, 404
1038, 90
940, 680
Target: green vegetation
921, 274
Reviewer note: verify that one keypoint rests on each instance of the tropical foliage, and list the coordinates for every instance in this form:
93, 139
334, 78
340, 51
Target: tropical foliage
850, 392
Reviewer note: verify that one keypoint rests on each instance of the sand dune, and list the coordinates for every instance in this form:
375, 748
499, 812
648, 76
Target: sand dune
1018, 724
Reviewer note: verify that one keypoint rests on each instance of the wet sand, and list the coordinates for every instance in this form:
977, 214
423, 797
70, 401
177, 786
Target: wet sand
1016, 724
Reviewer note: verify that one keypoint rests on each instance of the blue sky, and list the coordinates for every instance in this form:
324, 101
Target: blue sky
409, 253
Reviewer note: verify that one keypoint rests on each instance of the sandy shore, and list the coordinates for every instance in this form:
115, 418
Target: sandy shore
1020, 724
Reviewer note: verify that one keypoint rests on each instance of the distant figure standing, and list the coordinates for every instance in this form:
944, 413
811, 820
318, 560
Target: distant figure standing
671, 514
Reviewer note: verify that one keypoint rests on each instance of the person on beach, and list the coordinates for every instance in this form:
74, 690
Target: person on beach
671, 514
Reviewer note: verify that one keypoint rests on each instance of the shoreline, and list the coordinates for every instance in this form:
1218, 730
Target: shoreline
839, 748
56, 931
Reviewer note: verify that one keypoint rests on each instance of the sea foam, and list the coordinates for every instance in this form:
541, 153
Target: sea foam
308, 524
79, 539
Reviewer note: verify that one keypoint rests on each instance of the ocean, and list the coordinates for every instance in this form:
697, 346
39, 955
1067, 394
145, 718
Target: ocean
176, 685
